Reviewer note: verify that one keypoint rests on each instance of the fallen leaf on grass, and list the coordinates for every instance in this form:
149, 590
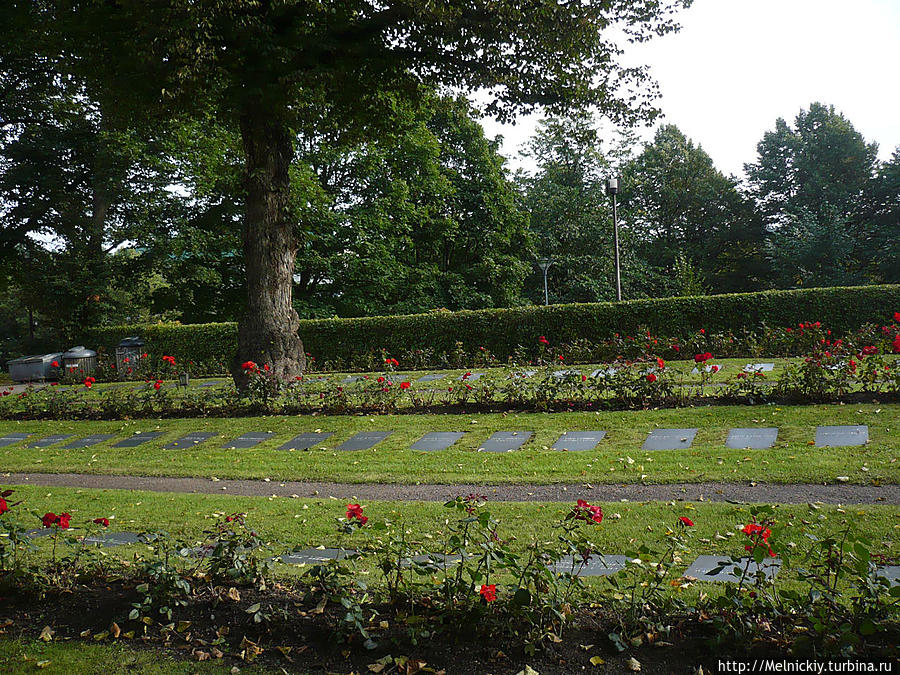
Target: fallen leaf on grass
597, 661
200, 655
47, 634
42, 664
634, 665
234, 594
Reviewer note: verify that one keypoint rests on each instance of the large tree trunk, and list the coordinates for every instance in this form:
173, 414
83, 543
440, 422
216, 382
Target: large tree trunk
267, 333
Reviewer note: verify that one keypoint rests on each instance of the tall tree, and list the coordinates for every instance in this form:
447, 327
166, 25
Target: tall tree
277, 67
684, 211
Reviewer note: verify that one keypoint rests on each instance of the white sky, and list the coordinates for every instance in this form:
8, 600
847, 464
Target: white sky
738, 65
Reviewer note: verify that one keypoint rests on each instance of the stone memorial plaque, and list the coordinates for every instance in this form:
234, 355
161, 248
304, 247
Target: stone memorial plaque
759, 367
670, 439
889, 572
579, 440
752, 438
471, 378
248, 440
138, 438
39, 532
565, 373
722, 568
351, 378
711, 368
316, 556
9, 439
437, 440
829, 437
504, 441
603, 372
523, 373
307, 440
596, 566
50, 440
88, 441
431, 377
432, 561
115, 539
216, 383
364, 440
190, 440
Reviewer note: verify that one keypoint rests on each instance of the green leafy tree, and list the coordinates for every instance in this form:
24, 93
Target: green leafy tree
276, 68
686, 215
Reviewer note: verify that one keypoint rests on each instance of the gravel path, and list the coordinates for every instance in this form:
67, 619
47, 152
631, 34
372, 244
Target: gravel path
710, 492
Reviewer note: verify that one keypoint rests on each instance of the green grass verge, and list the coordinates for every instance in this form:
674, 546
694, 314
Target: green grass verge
21, 657
618, 458
298, 523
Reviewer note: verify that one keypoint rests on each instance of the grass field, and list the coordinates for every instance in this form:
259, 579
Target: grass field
618, 458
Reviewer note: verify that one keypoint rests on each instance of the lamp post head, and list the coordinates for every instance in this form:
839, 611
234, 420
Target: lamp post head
544, 263
612, 186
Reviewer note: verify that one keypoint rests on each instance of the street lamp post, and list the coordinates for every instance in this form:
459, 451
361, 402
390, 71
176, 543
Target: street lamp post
544, 264
612, 187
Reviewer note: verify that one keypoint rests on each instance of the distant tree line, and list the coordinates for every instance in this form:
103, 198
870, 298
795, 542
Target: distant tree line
102, 224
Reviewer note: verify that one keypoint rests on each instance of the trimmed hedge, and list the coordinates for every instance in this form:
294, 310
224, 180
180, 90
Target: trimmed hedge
843, 310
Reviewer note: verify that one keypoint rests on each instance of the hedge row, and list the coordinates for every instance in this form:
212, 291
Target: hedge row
843, 310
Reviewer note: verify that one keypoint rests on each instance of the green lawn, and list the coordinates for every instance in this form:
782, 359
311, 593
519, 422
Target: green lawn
18, 657
618, 458
291, 523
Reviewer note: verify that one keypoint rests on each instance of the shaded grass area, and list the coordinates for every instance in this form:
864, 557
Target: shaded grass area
618, 458
18, 657
288, 524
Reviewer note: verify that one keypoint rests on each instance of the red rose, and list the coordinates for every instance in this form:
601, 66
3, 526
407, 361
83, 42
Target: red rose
380, 379
54, 364
651, 377
543, 340
63, 520
4, 507
584, 511
687, 522
248, 365
896, 344
488, 592
266, 367
702, 331
102, 521
404, 385
49, 519
660, 362
584, 378
157, 384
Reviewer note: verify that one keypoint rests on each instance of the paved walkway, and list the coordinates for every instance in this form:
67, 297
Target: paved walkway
709, 492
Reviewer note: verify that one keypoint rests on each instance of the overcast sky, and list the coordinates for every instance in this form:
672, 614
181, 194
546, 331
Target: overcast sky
738, 65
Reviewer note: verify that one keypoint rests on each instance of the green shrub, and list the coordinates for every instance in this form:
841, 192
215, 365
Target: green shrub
434, 338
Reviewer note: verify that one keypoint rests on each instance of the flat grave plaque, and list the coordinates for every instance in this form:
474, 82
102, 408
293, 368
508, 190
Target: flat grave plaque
216, 383
565, 373
433, 561
351, 378
115, 539
190, 440
471, 378
306, 440
249, 439
889, 572
504, 441
703, 567
838, 436
437, 440
712, 368
523, 373
137, 439
840, 365
364, 440
759, 367
315, 556
752, 438
603, 372
88, 441
50, 440
39, 532
596, 566
670, 439
431, 377
579, 440
9, 439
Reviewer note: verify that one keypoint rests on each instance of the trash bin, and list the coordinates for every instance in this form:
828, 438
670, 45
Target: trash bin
39, 367
79, 361
129, 348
